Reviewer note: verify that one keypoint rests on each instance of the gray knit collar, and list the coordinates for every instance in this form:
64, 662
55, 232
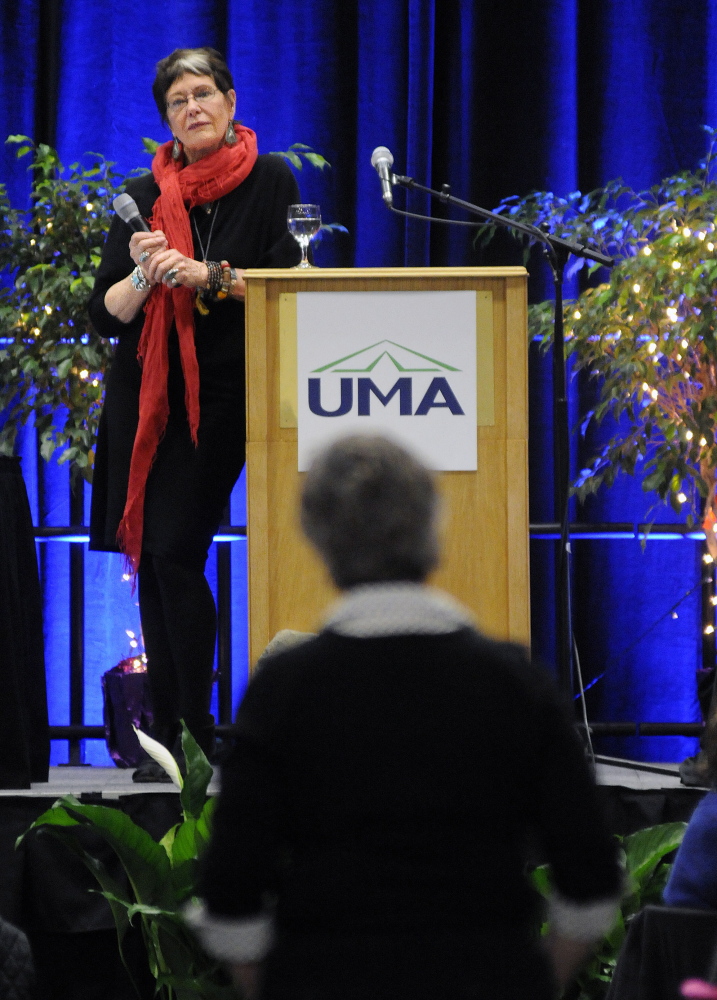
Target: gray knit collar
399, 608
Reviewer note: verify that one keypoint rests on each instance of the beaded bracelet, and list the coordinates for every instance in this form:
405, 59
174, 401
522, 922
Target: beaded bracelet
226, 280
214, 281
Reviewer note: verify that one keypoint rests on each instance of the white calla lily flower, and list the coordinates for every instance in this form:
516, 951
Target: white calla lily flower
157, 751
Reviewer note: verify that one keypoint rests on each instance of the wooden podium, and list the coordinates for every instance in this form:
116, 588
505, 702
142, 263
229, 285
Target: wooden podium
485, 544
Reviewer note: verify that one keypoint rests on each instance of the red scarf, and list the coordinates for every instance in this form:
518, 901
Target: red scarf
181, 188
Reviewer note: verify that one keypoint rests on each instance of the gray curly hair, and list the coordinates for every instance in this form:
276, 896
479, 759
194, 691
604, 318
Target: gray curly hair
370, 509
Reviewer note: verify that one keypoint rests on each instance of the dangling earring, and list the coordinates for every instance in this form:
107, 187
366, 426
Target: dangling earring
231, 136
176, 149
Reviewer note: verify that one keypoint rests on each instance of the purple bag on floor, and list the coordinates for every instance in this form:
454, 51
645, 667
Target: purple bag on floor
126, 702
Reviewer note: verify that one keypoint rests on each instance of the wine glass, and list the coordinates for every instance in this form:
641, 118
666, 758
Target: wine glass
304, 222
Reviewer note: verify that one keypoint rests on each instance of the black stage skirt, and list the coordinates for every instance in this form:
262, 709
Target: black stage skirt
24, 733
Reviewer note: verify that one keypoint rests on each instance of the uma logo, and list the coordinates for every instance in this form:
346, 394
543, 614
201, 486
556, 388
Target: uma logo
438, 395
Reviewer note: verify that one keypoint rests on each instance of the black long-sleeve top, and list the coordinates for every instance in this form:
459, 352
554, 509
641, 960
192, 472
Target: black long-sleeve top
387, 781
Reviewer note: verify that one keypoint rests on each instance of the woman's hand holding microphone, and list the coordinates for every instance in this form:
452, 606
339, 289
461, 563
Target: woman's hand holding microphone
161, 263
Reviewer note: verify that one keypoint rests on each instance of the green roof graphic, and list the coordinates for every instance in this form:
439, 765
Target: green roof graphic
373, 354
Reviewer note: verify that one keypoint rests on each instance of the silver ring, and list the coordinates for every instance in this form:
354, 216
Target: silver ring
170, 277
143, 256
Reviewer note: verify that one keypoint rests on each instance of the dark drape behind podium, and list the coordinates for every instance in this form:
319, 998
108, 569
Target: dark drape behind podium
24, 734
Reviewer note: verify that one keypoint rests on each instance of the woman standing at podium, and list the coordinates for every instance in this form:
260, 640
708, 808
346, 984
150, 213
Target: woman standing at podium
172, 434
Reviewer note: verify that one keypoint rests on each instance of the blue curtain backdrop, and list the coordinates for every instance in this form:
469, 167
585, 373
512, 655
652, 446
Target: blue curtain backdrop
494, 99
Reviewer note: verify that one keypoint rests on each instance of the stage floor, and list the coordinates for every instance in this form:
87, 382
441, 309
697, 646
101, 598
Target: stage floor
660, 776
113, 782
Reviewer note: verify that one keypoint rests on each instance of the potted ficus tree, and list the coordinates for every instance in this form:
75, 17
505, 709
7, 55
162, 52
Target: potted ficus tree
647, 332
52, 362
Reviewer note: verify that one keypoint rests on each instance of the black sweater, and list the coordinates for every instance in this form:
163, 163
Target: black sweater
391, 786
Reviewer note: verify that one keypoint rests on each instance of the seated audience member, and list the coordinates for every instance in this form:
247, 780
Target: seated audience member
17, 973
388, 774
693, 879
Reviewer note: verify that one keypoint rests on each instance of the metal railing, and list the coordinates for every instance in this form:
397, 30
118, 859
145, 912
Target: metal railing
76, 535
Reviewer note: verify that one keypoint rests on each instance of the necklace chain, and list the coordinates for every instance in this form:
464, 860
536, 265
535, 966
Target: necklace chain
211, 230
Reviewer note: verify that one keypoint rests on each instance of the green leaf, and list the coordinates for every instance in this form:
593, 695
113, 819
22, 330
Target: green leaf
204, 824
293, 159
167, 841
145, 862
199, 773
646, 848
317, 160
184, 847
57, 824
540, 878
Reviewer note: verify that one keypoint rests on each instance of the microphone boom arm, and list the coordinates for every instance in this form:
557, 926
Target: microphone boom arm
552, 243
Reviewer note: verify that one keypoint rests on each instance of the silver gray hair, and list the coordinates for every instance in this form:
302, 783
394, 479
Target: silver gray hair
198, 62
370, 508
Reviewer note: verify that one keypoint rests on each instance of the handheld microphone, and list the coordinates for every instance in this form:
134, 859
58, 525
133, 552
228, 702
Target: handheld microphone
126, 207
382, 161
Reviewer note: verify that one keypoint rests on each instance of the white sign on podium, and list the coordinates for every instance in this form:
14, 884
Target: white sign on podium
401, 364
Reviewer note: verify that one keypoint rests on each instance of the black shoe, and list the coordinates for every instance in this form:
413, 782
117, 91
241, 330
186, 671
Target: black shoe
150, 771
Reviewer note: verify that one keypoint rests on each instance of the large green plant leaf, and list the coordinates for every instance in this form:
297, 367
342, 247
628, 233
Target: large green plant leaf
144, 860
644, 854
646, 848
115, 893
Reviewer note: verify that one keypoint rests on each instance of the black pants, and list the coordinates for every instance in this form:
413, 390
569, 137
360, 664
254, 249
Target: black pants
179, 624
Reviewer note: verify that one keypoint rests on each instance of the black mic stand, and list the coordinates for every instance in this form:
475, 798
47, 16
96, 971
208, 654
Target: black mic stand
557, 251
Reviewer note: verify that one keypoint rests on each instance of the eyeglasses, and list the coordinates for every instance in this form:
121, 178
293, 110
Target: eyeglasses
202, 95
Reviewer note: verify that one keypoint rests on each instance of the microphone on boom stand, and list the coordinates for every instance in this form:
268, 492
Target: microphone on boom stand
382, 161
